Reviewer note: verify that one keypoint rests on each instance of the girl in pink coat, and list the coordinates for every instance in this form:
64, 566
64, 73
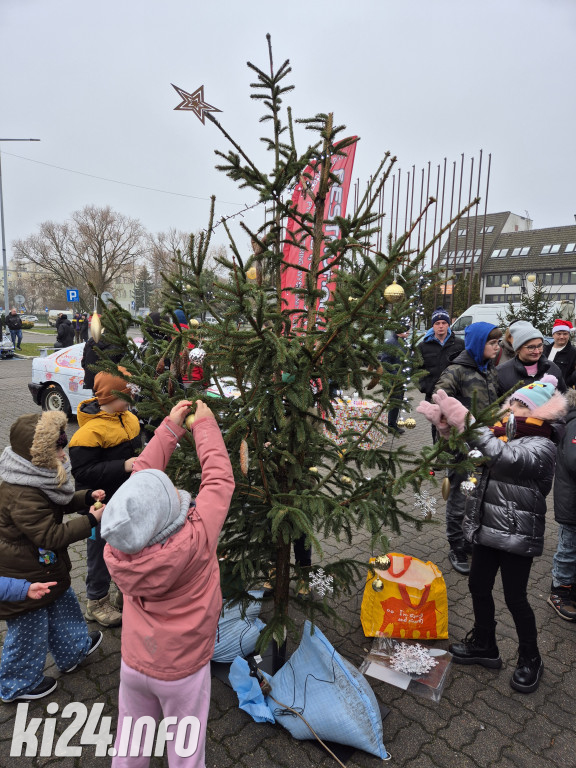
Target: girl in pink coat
161, 552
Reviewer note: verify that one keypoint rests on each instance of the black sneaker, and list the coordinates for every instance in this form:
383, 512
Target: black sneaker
527, 674
45, 688
459, 561
96, 638
561, 600
477, 648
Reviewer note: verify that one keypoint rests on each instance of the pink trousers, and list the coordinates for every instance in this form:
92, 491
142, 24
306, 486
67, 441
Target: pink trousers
180, 707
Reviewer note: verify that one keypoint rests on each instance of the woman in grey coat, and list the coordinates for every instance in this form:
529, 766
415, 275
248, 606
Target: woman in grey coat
505, 518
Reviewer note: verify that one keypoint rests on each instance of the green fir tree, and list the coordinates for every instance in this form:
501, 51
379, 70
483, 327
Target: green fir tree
536, 306
293, 479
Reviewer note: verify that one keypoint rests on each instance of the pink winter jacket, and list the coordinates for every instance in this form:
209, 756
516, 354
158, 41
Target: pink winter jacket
172, 597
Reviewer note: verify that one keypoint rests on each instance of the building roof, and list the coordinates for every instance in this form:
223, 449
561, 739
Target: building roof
547, 250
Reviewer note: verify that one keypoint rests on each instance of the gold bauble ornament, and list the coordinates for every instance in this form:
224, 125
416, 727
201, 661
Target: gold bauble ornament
346, 479
193, 323
394, 293
314, 470
96, 327
377, 585
98, 505
252, 273
400, 423
445, 488
382, 562
410, 423
189, 421
473, 479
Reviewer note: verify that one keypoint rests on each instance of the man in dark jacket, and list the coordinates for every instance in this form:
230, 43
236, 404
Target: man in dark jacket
561, 352
471, 379
14, 325
393, 361
563, 593
437, 347
530, 364
64, 334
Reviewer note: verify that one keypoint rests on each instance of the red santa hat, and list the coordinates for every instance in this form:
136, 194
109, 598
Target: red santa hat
562, 325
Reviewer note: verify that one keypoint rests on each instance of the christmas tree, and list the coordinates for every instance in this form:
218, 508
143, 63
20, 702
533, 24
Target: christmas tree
277, 368
536, 306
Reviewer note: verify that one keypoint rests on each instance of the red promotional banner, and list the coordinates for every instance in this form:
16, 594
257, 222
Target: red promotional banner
297, 256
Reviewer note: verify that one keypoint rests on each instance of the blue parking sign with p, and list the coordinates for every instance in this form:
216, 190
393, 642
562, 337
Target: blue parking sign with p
72, 294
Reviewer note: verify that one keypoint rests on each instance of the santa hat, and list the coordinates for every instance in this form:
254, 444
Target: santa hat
562, 325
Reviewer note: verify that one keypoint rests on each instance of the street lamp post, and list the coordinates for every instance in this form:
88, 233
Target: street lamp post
505, 286
4, 260
521, 280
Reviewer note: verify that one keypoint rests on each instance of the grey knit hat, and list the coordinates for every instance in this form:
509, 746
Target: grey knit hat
145, 510
522, 331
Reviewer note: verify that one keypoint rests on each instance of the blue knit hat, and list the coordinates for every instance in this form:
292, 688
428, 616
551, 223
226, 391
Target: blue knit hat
440, 314
538, 393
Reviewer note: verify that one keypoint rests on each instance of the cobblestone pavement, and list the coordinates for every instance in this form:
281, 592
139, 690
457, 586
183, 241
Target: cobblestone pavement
479, 722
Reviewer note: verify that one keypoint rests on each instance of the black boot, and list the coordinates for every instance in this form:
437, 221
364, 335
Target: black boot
478, 647
529, 669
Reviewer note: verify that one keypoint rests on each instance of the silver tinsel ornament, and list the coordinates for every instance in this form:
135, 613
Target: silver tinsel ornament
197, 355
467, 488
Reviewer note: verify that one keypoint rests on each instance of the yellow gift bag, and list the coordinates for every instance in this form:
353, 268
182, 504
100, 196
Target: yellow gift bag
407, 600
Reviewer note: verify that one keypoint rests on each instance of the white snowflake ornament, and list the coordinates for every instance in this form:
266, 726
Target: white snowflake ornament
426, 504
412, 660
321, 583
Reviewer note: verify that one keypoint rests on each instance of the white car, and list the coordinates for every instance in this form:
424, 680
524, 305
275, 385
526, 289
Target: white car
6, 346
58, 381
29, 318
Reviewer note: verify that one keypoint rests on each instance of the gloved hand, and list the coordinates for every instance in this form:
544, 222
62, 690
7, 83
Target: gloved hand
434, 416
452, 410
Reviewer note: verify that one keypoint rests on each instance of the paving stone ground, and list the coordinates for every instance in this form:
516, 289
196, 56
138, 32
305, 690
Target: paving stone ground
480, 722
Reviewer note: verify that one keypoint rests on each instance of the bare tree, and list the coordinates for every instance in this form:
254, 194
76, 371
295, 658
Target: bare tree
97, 246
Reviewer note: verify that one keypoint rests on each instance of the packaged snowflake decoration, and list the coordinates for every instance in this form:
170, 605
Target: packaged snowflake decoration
412, 660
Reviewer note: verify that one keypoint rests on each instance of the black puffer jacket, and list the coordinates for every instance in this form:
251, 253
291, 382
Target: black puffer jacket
565, 359
65, 335
565, 478
463, 379
508, 509
513, 375
435, 358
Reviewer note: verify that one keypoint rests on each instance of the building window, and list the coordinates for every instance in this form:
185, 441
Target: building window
486, 230
499, 253
520, 251
570, 248
461, 232
550, 248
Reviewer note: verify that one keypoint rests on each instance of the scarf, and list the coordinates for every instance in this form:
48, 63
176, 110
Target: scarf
526, 426
18, 471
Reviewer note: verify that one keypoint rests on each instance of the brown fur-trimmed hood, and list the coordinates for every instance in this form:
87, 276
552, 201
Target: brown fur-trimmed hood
34, 437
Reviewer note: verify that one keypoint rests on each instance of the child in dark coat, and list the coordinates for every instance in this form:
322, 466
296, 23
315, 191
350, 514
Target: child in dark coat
505, 518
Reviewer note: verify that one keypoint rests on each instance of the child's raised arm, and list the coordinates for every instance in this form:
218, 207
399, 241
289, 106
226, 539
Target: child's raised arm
157, 453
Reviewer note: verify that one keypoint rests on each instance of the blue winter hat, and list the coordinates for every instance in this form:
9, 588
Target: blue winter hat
440, 314
538, 393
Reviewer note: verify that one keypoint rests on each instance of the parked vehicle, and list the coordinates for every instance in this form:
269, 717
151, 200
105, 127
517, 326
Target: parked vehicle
53, 315
58, 380
6, 346
29, 318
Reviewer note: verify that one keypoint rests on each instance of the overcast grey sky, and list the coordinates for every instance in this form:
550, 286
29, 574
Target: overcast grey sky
426, 79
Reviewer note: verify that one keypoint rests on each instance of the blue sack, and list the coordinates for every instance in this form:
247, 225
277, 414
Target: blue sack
237, 635
329, 693
250, 697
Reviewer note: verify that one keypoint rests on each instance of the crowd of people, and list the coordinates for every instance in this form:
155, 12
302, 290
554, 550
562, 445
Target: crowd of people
168, 596
500, 523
